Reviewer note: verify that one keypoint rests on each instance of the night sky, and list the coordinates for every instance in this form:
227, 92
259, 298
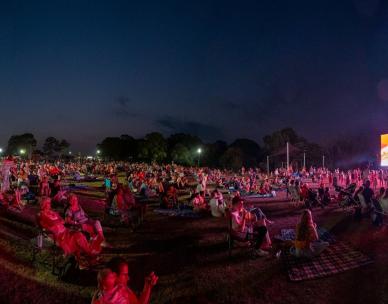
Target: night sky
84, 70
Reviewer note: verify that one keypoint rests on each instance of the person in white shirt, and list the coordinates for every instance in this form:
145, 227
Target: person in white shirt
245, 226
217, 205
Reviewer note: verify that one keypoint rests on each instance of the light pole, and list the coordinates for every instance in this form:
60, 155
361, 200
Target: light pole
304, 160
267, 165
199, 151
323, 161
288, 156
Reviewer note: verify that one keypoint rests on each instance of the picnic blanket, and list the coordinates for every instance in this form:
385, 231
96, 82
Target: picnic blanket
73, 187
255, 195
289, 235
178, 212
336, 258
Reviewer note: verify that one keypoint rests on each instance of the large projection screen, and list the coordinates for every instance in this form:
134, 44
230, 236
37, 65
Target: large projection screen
384, 150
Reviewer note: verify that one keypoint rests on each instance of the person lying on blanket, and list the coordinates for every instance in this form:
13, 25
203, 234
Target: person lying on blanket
71, 242
307, 243
75, 215
246, 227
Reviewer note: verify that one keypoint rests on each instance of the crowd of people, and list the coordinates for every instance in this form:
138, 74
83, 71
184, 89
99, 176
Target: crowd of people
217, 193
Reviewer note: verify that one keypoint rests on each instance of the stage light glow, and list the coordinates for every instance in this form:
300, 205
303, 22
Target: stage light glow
384, 150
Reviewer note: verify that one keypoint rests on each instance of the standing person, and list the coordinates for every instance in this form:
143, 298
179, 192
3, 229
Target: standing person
6, 167
108, 193
368, 193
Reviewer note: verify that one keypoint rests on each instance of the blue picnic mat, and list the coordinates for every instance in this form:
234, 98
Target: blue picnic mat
253, 195
289, 235
178, 212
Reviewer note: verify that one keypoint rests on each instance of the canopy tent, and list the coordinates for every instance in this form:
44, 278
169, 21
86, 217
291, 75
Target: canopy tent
283, 151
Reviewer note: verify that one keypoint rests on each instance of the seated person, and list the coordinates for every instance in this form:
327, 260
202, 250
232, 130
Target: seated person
129, 210
218, 194
109, 292
143, 188
217, 205
57, 193
117, 203
245, 227
307, 243
71, 242
12, 198
172, 194
326, 199
17, 199
321, 192
33, 180
198, 202
44, 188
304, 192
384, 201
262, 220
120, 267
75, 215
2, 199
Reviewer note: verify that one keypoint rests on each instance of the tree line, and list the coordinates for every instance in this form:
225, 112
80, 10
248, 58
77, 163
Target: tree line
189, 150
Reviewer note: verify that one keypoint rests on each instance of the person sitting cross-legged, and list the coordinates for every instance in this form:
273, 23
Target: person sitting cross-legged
307, 243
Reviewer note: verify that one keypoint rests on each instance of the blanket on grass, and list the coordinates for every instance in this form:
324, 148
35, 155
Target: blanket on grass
289, 235
336, 258
178, 212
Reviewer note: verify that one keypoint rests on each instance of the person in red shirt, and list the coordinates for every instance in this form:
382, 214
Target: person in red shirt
304, 192
120, 267
71, 242
109, 292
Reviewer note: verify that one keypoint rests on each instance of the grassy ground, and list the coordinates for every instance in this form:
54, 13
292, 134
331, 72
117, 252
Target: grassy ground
190, 257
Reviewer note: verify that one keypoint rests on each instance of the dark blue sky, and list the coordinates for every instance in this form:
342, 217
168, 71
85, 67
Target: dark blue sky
84, 70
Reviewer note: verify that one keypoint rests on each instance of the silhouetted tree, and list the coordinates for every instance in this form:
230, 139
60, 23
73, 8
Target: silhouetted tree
278, 139
232, 159
24, 141
180, 154
153, 147
118, 148
53, 146
213, 152
251, 151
